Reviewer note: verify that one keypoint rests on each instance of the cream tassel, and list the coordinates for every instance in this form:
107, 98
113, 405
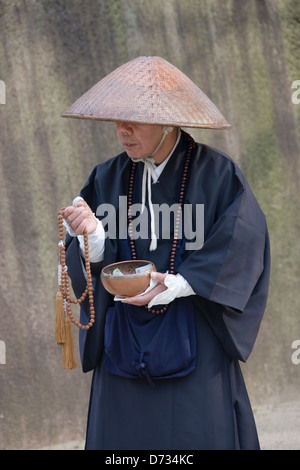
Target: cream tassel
68, 353
60, 332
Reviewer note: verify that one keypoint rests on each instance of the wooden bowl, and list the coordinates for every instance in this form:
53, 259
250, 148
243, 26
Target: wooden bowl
127, 278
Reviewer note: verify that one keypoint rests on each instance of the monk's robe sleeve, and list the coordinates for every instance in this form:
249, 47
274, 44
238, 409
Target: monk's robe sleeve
230, 273
90, 341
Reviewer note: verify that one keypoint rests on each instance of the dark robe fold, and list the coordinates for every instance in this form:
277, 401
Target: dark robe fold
209, 408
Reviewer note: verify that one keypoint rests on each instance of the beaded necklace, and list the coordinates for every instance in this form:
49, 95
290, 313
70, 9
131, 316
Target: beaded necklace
162, 309
63, 278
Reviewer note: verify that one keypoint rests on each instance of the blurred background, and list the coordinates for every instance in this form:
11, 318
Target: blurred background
245, 56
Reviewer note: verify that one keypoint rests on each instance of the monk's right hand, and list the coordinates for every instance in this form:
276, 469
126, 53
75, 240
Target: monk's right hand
80, 218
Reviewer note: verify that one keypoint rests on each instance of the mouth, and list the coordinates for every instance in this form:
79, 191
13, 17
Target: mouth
128, 145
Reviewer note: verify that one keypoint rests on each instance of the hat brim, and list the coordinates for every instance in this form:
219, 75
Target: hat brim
148, 90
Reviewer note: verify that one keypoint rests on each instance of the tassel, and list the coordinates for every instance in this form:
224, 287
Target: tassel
153, 244
60, 331
68, 353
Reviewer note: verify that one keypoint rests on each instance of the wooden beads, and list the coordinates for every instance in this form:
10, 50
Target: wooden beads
64, 278
178, 217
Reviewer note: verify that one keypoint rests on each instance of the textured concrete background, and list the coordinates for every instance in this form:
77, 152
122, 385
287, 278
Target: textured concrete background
245, 55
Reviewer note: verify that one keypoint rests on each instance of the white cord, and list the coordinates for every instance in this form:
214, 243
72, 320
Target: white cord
147, 176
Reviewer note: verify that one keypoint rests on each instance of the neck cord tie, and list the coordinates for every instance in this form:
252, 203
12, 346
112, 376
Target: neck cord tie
147, 178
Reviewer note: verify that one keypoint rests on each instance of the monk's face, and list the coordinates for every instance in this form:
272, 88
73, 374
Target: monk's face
140, 140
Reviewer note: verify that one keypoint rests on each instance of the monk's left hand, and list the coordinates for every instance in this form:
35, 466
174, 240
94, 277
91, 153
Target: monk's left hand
144, 299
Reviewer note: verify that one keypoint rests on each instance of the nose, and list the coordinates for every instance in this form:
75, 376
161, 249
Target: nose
123, 128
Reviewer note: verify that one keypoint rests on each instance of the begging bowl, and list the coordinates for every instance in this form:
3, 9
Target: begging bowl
127, 278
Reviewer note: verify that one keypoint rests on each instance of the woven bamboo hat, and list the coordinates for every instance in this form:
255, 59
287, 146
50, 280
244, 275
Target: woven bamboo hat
148, 90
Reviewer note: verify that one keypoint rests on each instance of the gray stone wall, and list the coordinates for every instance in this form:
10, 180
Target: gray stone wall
245, 56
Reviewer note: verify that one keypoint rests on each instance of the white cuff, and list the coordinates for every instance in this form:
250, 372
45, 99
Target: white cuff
96, 243
177, 287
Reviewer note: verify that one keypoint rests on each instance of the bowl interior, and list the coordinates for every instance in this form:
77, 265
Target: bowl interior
131, 268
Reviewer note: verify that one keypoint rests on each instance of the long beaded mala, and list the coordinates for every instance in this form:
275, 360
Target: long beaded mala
63, 280
64, 316
162, 309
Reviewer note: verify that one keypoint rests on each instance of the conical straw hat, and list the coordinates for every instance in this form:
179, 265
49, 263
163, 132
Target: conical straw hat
148, 90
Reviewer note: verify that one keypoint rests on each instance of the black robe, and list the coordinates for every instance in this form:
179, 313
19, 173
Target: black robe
208, 408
